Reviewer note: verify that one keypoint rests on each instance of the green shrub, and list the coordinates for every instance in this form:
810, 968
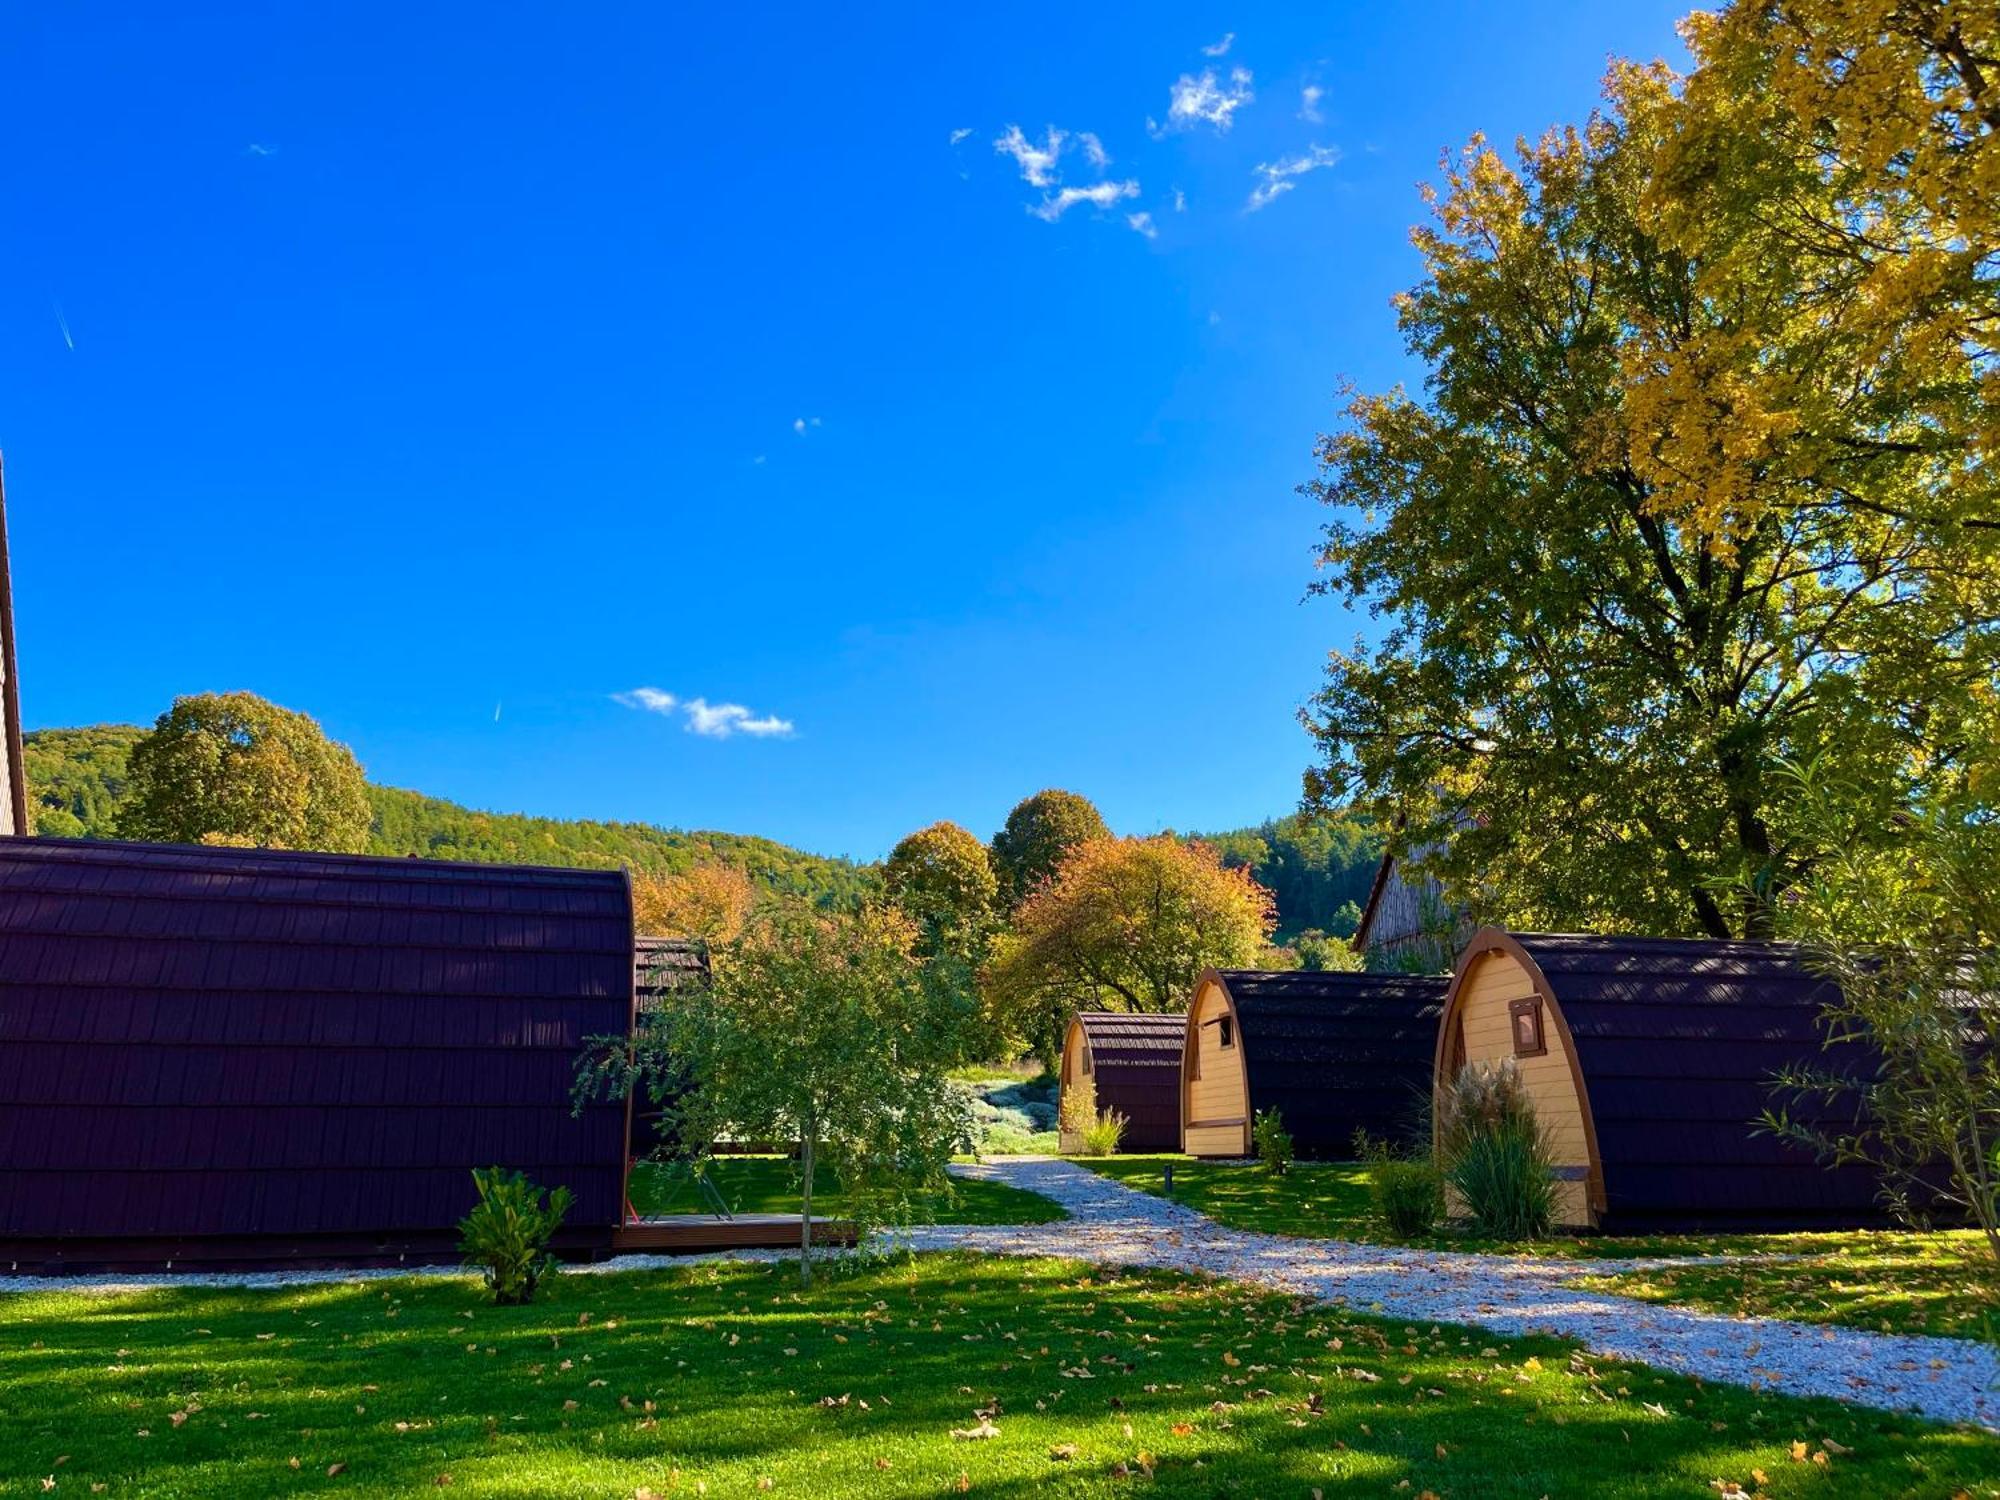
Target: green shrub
1408, 1196
1496, 1154
1078, 1112
507, 1233
1370, 1150
1273, 1142
1101, 1137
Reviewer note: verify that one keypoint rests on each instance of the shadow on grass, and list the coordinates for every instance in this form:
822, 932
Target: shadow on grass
856, 1388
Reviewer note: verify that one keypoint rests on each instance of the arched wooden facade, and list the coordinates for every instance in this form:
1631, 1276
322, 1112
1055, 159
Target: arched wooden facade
1133, 1062
246, 1056
1332, 1053
1650, 1061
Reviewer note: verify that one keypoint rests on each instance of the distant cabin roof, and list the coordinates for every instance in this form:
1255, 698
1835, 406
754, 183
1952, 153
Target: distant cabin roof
1329, 1050
668, 965
1677, 1040
1137, 1041
202, 1041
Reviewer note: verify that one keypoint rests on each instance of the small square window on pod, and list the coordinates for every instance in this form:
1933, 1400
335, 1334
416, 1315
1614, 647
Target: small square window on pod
1525, 1016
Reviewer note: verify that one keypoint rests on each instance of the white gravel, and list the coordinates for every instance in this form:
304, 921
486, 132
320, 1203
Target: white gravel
1946, 1380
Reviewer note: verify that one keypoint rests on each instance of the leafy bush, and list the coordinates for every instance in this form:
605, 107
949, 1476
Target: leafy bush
507, 1234
1408, 1196
1369, 1149
1101, 1137
1079, 1108
1273, 1142
1495, 1152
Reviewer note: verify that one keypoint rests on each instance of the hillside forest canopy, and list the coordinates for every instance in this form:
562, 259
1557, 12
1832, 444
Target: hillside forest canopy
1317, 870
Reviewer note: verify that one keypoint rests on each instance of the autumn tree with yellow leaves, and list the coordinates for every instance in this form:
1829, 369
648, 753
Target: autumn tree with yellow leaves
1123, 924
1700, 484
709, 901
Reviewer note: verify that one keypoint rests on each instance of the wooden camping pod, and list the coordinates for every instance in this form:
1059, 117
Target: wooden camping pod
1331, 1052
245, 1056
1133, 1064
1650, 1060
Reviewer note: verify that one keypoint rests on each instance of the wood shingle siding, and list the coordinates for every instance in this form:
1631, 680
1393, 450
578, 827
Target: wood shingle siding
1134, 1063
1659, 1057
249, 1055
1331, 1052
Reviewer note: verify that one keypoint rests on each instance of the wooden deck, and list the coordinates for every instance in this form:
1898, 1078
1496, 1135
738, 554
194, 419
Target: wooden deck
690, 1234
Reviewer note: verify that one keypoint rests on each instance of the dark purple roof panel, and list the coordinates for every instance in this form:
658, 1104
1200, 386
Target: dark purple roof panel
1678, 1040
206, 1042
1337, 1052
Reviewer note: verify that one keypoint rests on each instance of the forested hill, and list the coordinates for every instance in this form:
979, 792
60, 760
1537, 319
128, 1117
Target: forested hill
76, 778
1318, 871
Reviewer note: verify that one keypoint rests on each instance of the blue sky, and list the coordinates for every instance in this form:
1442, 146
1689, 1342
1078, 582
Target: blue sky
450, 371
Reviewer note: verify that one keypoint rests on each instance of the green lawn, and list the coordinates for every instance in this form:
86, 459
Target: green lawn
769, 1185
1896, 1281
726, 1380
1893, 1282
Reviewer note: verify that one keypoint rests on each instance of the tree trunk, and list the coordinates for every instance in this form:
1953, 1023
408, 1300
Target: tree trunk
806, 1201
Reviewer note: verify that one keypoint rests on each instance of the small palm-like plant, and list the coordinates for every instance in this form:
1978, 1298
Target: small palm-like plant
507, 1233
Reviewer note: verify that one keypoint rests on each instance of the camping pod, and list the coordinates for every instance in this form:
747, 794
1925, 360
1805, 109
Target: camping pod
243, 1056
1132, 1063
1332, 1053
1650, 1061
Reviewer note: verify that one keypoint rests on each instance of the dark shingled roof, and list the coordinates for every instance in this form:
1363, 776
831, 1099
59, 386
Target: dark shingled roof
1337, 1052
1118, 1039
199, 1043
1677, 1040
668, 965
1136, 1068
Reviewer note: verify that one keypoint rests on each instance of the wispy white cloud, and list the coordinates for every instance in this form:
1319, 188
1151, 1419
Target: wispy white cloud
1093, 150
1205, 100
1309, 98
960, 134
1280, 177
1180, 201
1221, 48
258, 148
715, 721
801, 425
1037, 163
1143, 223
1099, 195
651, 699
718, 721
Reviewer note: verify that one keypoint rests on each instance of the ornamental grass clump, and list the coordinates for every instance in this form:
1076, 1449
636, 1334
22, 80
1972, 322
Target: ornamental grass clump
1103, 1135
1495, 1153
507, 1233
1408, 1196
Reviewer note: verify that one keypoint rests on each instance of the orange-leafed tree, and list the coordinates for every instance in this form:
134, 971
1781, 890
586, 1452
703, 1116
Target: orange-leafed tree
709, 901
1123, 924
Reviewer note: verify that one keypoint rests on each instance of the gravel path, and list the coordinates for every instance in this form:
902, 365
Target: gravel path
1947, 1380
